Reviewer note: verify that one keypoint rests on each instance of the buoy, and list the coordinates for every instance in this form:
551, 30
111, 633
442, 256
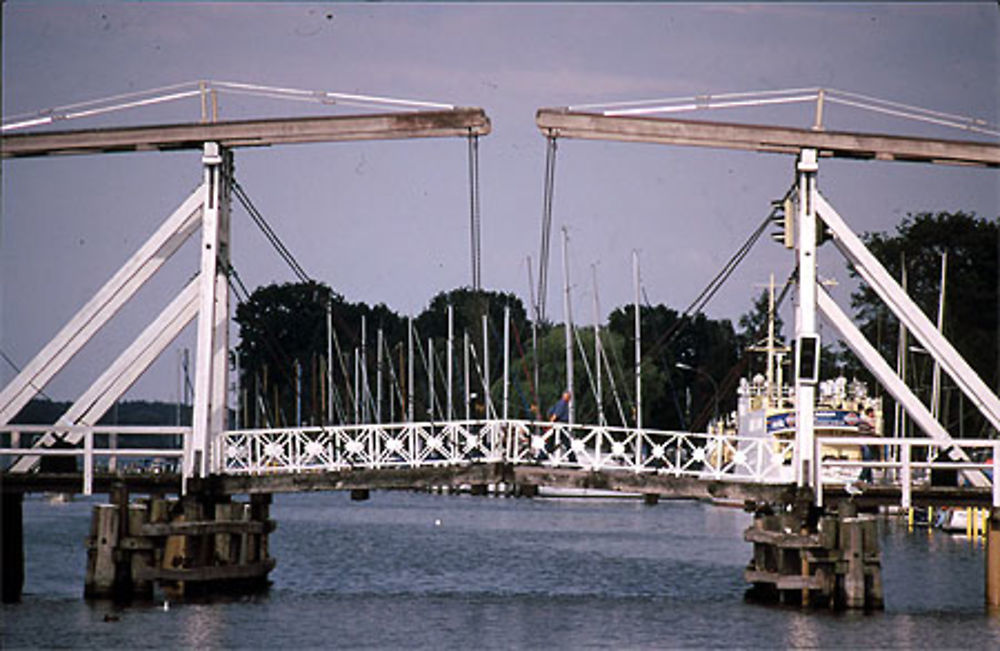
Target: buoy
437, 523
166, 606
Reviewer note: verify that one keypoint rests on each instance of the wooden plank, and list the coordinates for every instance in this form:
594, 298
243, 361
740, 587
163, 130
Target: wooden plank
665, 485
210, 573
383, 479
204, 527
765, 138
784, 581
249, 133
783, 540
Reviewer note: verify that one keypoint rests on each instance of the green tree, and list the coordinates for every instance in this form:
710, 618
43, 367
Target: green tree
970, 316
673, 397
283, 329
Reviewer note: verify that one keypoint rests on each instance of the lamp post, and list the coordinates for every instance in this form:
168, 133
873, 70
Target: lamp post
715, 387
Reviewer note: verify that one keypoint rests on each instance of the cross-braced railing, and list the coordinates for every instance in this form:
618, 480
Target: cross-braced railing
587, 447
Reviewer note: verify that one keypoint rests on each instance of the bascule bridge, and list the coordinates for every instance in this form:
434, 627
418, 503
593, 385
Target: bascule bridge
218, 463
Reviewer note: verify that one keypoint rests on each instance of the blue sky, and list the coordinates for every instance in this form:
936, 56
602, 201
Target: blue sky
388, 221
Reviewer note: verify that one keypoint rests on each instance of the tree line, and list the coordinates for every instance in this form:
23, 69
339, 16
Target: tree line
284, 364
691, 364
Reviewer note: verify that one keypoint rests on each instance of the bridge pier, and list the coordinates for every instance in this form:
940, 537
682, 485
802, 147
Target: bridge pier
12, 546
195, 545
806, 557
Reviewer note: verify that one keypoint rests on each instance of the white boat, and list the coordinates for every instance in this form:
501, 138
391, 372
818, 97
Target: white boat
555, 492
766, 410
953, 520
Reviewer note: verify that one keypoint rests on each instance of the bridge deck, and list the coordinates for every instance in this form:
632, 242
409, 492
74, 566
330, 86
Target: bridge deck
664, 486
248, 133
452, 454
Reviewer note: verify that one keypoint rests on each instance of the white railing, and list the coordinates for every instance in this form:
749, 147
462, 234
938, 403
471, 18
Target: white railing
86, 449
907, 463
587, 447
408, 445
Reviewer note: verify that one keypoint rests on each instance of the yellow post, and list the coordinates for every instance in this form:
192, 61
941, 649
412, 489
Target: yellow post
930, 517
909, 519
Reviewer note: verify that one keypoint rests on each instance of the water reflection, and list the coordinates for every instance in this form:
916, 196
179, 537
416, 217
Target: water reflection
203, 626
502, 573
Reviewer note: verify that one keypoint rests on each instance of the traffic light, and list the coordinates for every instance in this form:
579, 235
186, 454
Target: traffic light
783, 217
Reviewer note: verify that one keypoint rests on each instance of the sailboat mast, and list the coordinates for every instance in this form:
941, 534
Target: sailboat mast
773, 392
597, 350
638, 343
569, 327
936, 380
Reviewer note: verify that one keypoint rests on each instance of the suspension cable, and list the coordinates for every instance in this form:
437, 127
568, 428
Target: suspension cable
713, 286
17, 369
737, 370
543, 257
269, 233
475, 219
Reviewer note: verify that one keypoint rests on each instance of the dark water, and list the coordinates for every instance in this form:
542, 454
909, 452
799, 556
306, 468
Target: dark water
500, 573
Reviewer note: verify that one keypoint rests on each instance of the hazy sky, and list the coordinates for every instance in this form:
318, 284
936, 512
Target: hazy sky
388, 221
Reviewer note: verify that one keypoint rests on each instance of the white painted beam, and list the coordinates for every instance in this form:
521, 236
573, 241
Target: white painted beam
893, 384
99, 309
876, 276
805, 326
211, 365
123, 372
458, 122
563, 123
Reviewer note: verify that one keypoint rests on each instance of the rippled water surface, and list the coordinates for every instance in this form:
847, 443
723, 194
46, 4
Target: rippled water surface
416, 570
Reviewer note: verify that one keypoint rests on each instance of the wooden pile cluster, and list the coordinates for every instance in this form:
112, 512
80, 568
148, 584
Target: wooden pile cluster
189, 546
827, 561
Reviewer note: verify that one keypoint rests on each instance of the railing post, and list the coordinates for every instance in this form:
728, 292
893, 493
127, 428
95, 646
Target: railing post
759, 472
817, 479
413, 445
638, 449
819, 472
905, 479
996, 474
88, 462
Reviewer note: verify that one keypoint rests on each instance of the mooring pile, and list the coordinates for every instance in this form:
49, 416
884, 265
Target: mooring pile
809, 558
188, 546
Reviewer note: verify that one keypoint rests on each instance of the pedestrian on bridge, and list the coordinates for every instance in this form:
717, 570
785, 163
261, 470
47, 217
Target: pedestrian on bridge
559, 413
